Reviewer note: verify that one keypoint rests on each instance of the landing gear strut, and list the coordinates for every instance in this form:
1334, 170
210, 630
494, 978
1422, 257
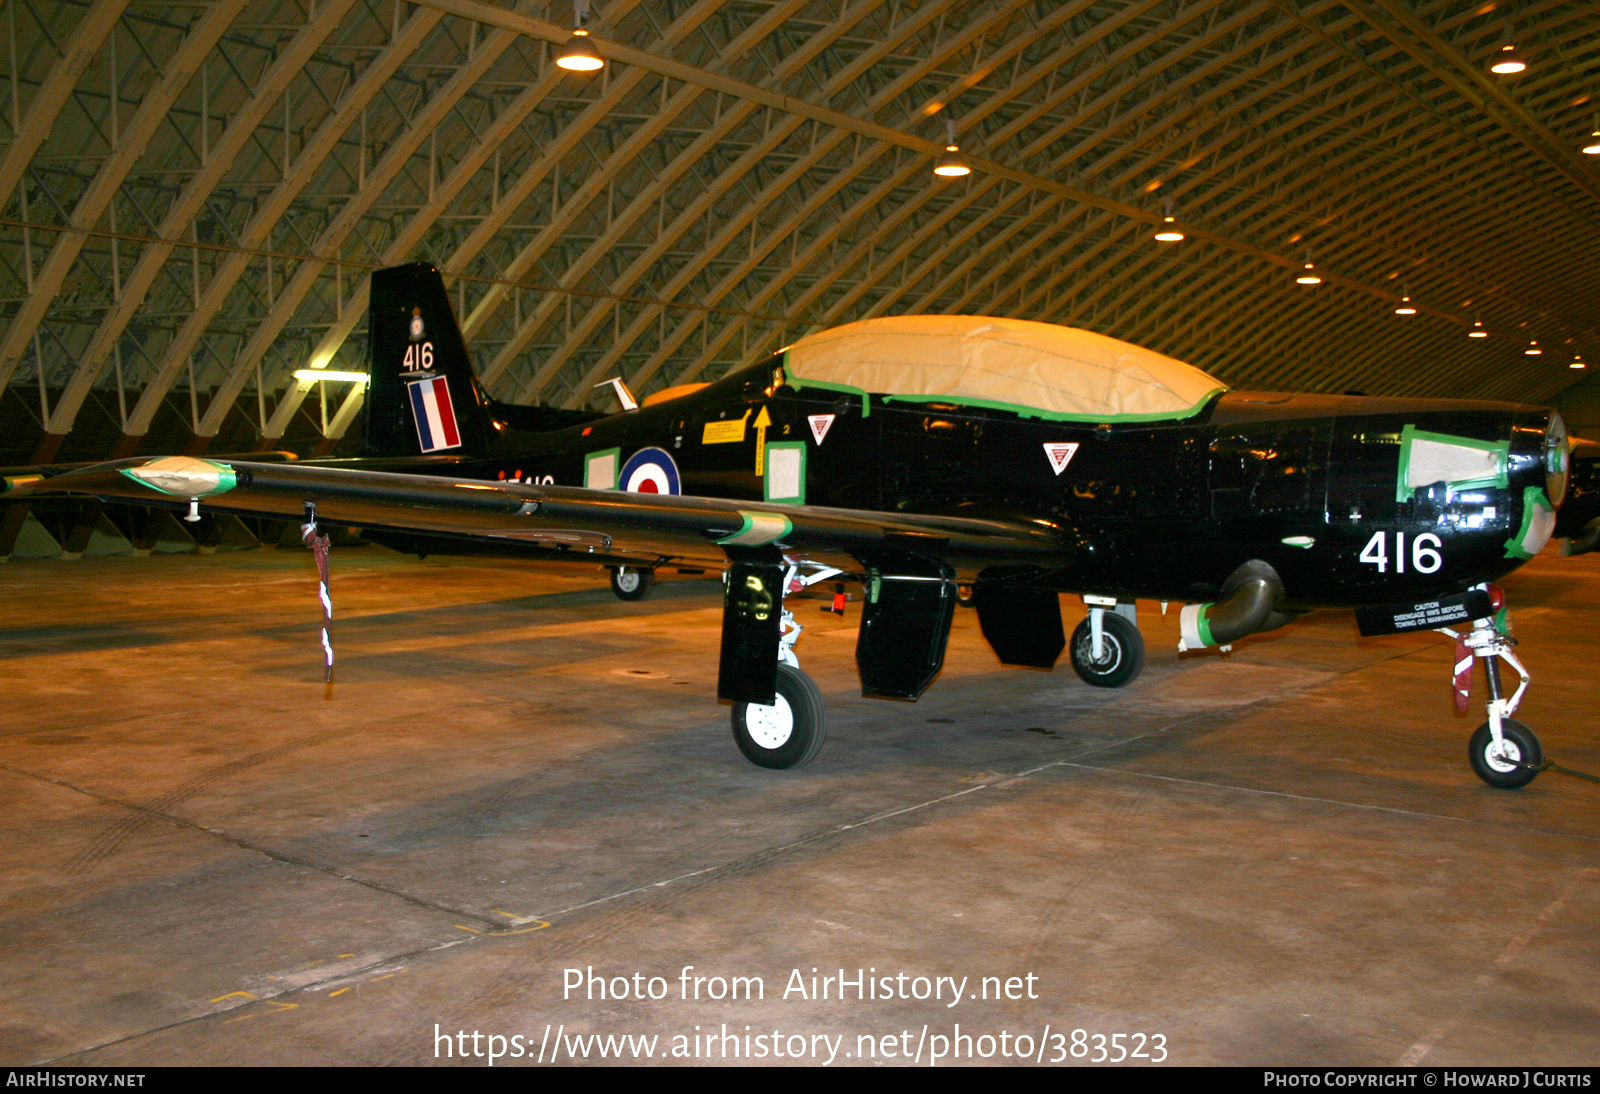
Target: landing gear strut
1504, 752
790, 732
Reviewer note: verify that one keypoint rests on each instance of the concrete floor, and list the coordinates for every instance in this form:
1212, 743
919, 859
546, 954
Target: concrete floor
1274, 857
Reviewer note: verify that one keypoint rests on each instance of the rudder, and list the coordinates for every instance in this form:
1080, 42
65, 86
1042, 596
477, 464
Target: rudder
422, 398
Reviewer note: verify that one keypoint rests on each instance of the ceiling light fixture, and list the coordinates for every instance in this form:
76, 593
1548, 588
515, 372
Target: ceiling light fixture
1506, 61
1533, 349
1309, 275
1170, 232
1477, 330
579, 55
1405, 307
1593, 147
951, 164
1577, 362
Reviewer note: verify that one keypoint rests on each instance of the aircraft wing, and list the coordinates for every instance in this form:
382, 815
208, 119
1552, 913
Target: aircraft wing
575, 520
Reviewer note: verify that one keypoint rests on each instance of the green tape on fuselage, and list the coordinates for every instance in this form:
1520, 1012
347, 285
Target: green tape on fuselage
1538, 522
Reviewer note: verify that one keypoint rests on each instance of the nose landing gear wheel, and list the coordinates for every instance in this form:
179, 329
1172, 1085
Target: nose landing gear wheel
631, 582
1504, 769
788, 733
1121, 653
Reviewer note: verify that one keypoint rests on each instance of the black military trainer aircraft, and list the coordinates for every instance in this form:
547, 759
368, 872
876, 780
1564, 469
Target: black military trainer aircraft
921, 454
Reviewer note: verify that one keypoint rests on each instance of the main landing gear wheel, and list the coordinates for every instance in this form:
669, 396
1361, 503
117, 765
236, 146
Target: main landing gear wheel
1505, 769
1121, 652
631, 582
790, 732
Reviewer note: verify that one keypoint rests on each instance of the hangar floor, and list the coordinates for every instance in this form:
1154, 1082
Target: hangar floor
1278, 856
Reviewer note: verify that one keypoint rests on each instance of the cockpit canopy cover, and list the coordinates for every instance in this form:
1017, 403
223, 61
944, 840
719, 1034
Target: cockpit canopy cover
1038, 370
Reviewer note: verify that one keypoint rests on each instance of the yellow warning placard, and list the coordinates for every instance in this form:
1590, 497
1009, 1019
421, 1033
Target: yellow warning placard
725, 432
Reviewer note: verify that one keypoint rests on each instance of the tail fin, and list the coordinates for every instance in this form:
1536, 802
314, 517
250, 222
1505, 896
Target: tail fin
423, 398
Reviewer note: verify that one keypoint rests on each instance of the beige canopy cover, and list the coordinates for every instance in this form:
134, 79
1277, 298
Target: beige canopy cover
1036, 369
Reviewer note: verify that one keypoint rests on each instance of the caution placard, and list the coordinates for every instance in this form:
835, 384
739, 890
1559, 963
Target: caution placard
730, 432
1446, 611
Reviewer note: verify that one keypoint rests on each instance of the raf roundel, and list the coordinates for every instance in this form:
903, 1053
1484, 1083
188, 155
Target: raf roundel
649, 471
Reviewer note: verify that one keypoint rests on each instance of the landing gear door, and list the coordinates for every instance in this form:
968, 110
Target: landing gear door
905, 623
751, 609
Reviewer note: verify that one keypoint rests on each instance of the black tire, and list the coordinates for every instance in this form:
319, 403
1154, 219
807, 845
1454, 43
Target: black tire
1524, 747
1121, 653
631, 582
759, 730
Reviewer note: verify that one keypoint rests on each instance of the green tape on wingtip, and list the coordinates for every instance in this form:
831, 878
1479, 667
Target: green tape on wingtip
17, 482
758, 530
184, 476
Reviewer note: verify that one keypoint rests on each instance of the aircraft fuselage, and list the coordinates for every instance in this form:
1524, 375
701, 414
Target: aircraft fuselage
1164, 510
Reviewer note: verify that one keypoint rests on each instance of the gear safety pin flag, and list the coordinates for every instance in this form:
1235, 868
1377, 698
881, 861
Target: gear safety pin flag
319, 547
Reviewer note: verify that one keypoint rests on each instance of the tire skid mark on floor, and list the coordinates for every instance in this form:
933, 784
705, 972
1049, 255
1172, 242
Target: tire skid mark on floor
151, 815
116, 835
1419, 1051
1421, 814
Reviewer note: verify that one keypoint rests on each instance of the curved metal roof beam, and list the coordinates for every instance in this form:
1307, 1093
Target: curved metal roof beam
1376, 244
841, 79
1334, 247
1411, 159
80, 51
1324, 34
988, 107
620, 88
876, 131
1486, 148
894, 292
918, 277
1131, 259
733, 229
1101, 232
1470, 83
424, 121
269, 87
498, 132
1272, 183
86, 213
311, 160
682, 222
709, 353
970, 244
824, 239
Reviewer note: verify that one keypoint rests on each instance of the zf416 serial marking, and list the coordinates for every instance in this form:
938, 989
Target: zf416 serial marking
1425, 556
